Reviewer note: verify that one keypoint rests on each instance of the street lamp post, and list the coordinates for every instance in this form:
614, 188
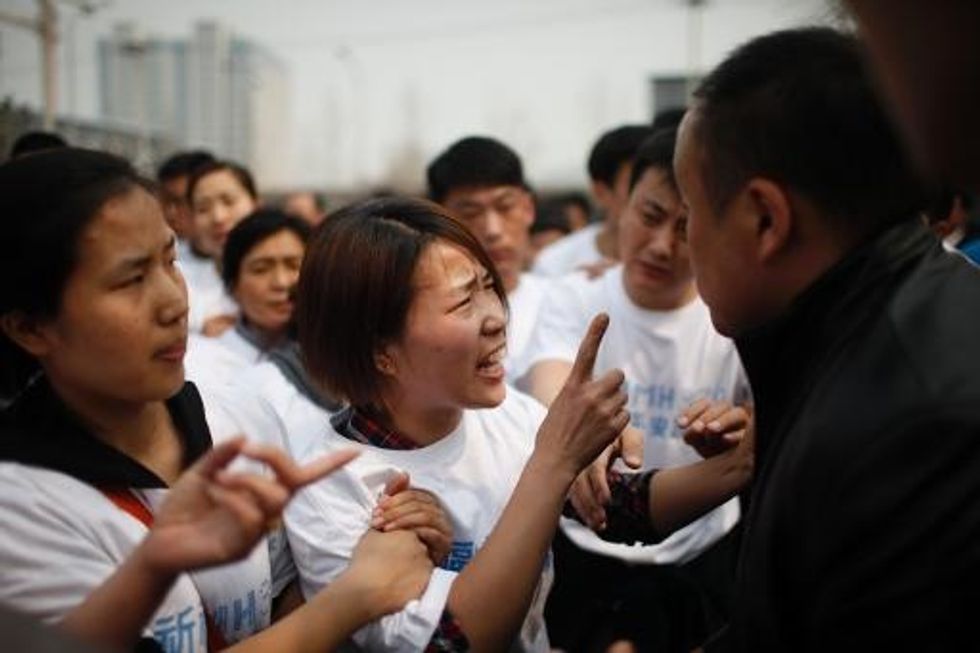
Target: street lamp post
45, 26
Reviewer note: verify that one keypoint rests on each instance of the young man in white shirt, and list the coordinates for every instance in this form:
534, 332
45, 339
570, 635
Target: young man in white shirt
661, 336
481, 182
610, 165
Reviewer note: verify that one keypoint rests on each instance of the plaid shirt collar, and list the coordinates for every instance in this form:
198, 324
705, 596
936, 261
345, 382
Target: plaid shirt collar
360, 426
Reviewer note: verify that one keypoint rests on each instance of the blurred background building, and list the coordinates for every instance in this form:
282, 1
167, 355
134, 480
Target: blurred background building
345, 96
212, 90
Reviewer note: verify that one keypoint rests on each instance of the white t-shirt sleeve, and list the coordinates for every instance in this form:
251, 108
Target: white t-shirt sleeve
562, 322
325, 522
49, 561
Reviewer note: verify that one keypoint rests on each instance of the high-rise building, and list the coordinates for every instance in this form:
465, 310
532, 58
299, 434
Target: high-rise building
142, 81
213, 90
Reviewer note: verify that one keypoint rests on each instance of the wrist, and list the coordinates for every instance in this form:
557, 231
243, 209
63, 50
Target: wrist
739, 466
551, 469
365, 600
149, 562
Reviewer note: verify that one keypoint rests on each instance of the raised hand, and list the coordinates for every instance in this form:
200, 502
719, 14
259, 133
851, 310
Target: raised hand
713, 427
403, 507
588, 413
213, 516
215, 325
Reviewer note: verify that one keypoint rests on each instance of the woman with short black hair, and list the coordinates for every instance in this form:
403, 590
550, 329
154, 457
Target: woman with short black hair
402, 314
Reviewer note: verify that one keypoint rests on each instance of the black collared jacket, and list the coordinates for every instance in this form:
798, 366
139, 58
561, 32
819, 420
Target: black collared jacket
863, 531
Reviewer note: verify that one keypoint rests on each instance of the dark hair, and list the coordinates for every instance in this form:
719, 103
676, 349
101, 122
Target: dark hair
239, 172
667, 118
356, 286
797, 107
36, 141
550, 216
476, 161
574, 198
657, 151
49, 199
613, 149
251, 231
183, 164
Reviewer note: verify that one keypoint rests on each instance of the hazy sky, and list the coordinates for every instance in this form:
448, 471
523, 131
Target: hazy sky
382, 83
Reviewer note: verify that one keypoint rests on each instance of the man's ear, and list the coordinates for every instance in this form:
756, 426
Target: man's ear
602, 194
26, 332
773, 217
528, 209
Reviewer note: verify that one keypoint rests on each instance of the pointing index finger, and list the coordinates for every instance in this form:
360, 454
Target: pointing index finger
587, 350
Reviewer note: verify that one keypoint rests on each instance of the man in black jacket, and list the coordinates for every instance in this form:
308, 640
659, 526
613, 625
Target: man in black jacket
860, 337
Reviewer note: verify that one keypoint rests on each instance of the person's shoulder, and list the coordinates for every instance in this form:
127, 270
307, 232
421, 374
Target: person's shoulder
38, 496
16, 477
267, 380
933, 326
237, 409
206, 354
566, 253
535, 283
586, 287
695, 318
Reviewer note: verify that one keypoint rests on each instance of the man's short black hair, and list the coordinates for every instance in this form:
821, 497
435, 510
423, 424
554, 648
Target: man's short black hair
613, 149
657, 152
183, 164
797, 107
575, 198
667, 118
36, 141
474, 161
549, 215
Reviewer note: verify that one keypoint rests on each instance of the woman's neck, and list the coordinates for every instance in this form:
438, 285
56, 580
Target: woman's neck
143, 431
421, 425
265, 339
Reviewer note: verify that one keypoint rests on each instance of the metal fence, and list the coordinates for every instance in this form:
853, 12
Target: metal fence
144, 149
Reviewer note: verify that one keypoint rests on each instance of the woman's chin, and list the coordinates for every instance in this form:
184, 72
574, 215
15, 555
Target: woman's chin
491, 395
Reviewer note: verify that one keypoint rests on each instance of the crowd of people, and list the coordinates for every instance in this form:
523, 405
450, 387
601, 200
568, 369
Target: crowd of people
733, 410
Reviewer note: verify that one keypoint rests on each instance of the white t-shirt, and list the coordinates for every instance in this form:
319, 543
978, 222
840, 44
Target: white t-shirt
63, 538
215, 362
206, 295
473, 471
670, 359
525, 304
303, 423
569, 253
184, 250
